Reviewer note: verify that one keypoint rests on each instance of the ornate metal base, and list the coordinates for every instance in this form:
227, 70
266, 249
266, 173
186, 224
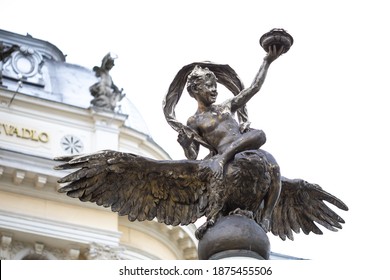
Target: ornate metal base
234, 236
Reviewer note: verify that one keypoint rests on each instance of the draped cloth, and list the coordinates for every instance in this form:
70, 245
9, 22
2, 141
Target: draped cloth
225, 76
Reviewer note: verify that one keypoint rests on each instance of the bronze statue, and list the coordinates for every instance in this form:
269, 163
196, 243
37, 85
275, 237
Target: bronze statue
237, 177
106, 94
5, 52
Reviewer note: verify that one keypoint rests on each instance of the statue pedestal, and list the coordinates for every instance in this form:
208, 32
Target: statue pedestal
234, 237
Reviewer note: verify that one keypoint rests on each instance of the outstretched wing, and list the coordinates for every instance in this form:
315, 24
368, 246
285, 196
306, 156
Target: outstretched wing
300, 205
136, 186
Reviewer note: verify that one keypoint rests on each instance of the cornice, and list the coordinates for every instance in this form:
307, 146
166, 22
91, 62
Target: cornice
56, 230
43, 47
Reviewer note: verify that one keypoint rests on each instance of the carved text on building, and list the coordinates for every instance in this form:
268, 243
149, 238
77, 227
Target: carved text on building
24, 133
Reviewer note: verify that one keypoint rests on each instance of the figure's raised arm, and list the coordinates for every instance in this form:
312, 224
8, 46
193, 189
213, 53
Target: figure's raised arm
245, 95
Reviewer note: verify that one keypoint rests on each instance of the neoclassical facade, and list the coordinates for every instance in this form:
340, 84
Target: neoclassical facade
45, 112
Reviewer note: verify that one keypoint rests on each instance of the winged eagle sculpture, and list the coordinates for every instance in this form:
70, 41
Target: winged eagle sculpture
179, 192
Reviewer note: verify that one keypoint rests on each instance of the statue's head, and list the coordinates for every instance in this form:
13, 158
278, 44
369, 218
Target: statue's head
108, 61
197, 76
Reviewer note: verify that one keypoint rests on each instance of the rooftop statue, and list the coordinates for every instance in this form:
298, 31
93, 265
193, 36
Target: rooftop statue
237, 177
106, 94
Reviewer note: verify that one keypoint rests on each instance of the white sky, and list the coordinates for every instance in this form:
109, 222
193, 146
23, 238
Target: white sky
323, 106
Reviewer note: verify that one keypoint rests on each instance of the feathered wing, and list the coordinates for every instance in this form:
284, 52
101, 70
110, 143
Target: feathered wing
300, 205
137, 186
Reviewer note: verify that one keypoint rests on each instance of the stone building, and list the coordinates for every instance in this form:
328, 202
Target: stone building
45, 112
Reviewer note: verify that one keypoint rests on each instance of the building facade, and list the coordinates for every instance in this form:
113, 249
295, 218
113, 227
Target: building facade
45, 112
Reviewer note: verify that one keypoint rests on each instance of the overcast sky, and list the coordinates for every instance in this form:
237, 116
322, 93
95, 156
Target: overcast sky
324, 105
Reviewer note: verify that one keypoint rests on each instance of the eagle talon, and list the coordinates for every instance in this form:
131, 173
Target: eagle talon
265, 224
245, 213
199, 233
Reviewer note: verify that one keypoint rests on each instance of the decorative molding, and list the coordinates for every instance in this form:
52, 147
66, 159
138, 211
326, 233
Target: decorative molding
19, 177
38, 247
6, 241
71, 144
5, 248
40, 181
32, 186
74, 254
98, 251
57, 229
25, 65
45, 48
35, 251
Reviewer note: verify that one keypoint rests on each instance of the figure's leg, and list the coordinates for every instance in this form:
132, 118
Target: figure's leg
251, 140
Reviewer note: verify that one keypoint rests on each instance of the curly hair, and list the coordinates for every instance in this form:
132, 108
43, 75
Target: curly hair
197, 75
